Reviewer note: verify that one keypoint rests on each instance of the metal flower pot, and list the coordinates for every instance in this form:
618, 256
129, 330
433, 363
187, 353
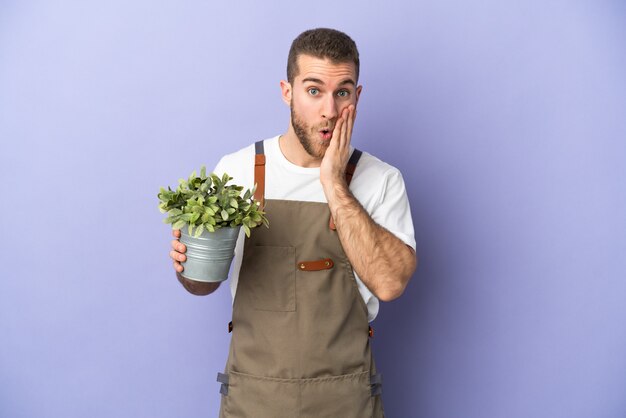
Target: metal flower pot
209, 256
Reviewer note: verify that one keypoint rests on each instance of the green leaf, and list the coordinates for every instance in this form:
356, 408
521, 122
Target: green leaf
171, 219
212, 202
246, 230
199, 231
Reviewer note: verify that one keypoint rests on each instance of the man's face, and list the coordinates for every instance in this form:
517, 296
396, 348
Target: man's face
319, 93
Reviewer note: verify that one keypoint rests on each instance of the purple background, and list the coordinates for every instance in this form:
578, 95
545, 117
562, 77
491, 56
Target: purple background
506, 118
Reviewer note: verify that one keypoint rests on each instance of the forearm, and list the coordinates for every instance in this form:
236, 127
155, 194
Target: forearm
383, 262
197, 288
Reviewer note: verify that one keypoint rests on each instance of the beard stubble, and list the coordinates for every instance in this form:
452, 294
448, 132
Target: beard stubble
305, 136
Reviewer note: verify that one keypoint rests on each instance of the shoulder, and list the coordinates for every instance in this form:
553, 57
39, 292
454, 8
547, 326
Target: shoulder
239, 165
373, 176
236, 159
244, 155
372, 165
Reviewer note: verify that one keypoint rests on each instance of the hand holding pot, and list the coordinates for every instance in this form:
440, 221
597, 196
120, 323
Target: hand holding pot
178, 255
178, 251
206, 214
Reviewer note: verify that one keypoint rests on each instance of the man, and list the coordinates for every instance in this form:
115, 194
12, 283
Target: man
305, 289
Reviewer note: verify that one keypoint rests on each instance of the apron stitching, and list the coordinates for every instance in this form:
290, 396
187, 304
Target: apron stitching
349, 376
355, 287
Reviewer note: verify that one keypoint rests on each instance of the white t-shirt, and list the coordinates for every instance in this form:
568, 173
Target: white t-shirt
378, 186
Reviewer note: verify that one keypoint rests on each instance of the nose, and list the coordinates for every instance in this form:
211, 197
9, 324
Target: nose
329, 107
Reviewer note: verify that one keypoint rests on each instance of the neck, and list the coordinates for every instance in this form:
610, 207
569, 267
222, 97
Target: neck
294, 152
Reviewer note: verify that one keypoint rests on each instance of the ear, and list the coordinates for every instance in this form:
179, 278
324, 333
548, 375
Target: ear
285, 88
358, 94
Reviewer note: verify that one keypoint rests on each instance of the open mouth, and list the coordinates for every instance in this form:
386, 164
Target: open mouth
326, 134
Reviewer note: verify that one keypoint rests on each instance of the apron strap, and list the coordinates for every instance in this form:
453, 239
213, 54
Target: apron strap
259, 173
223, 379
350, 168
354, 160
376, 382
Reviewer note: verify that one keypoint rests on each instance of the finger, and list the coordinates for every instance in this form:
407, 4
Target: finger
346, 122
178, 267
178, 246
336, 138
178, 256
344, 114
338, 126
176, 233
344, 131
351, 116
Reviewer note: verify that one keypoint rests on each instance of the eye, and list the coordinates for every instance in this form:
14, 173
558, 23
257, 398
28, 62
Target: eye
313, 91
343, 93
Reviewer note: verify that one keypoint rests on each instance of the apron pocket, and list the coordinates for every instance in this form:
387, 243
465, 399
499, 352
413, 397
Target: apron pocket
346, 396
260, 397
269, 277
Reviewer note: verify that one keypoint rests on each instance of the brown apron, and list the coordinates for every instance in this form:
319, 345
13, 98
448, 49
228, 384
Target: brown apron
300, 346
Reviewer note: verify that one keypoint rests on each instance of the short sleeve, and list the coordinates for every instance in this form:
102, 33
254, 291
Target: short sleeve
219, 168
392, 210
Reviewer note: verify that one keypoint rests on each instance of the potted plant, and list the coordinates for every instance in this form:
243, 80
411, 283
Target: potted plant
213, 212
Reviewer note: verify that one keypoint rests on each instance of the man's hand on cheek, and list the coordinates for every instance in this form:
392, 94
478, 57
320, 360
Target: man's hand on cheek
333, 166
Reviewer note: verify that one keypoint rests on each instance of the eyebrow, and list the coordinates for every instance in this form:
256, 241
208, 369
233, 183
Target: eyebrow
318, 81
